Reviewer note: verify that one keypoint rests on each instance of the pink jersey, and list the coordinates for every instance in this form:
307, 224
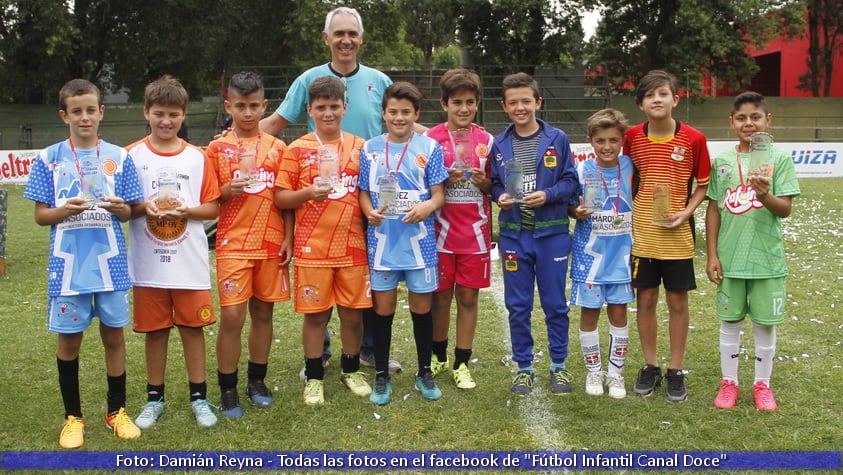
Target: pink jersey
463, 225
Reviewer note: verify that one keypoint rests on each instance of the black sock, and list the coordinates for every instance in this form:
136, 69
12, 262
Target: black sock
350, 363
461, 356
116, 396
198, 391
440, 349
423, 333
383, 340
69, 387
154, 393
257, 371
313, 368
227, 380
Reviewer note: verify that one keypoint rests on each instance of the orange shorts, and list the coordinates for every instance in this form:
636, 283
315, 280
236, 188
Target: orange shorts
238, 280
319, 288
157, 309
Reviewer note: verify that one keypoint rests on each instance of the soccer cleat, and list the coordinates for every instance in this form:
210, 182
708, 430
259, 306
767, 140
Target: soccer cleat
763, 395
727, 396
523, 383
649, 378
438, 367
72, 433
230, 404
356, 382
676, 391
205, 417
150, 412
427, 386
381, 392
258, 393
314, 392
560, 382
368, 360
122, 425
594, 383
462, 377
617, 388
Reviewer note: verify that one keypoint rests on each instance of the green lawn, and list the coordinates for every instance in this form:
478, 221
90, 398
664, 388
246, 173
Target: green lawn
807, 377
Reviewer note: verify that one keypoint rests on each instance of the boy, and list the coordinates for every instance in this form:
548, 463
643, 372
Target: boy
401, 243
463, 225
746, 251
330, 247
533, 231
602, 244
168, 238
82, 188
253, 241
668, 156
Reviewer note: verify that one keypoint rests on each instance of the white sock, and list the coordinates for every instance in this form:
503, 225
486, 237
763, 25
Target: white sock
618, 344
730, 343
590, 342
765, 350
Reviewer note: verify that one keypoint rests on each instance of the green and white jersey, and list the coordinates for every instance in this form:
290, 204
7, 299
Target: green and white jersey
749, 243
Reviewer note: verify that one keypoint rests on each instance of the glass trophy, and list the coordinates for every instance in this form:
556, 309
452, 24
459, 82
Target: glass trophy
168, 189
760, 163
514, 181
593, 196
661, 204
462, 151
329, 165
248, 164
92, 181
387, 190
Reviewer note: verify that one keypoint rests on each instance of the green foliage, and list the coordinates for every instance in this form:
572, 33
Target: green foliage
825, 38
430, 23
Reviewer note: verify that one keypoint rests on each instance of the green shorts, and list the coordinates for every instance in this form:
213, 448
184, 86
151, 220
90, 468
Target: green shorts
762, 299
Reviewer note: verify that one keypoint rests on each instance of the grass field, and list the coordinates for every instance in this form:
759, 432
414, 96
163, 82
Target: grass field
807, 377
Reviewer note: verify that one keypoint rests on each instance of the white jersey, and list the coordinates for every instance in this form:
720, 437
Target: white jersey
171, 254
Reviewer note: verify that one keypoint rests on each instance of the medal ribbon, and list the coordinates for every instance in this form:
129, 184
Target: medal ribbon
617, 205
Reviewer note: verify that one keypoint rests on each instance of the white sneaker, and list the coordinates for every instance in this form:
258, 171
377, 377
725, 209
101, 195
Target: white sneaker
594, 383
368, 360
617, 389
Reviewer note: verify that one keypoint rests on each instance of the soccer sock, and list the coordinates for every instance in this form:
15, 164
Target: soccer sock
423, 333
765, 350
590, 343
618, 344
440, 349
382, 332
116, 396
198, 391
526, 366
69, 387
554, 365
154, 392
350, 363
461, 356
256, 370
730, 342
313, 368
227, 380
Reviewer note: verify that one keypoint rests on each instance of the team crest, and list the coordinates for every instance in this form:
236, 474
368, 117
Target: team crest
620, 350
206, 314
230, 286
482, 150
109, 166
678, 153
510, 261
309, 292
550, 157
421, 160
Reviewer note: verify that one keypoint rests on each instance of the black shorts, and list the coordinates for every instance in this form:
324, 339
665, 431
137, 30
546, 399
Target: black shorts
677, 275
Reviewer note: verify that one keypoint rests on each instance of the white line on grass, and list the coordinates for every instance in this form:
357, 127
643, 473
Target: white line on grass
536, 412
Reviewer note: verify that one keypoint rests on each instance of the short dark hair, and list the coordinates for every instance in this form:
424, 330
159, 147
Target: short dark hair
749, 97
77, 87
326, 87
403, 90
456, 80
520, 80
245, 83
653, 79
165, 91
606, 119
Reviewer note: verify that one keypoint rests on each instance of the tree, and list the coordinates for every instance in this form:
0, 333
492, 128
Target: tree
697, 38
825, 40
430, 24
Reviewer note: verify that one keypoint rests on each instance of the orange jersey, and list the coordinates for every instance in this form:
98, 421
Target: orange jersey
250, 225
675, 161
328, 233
